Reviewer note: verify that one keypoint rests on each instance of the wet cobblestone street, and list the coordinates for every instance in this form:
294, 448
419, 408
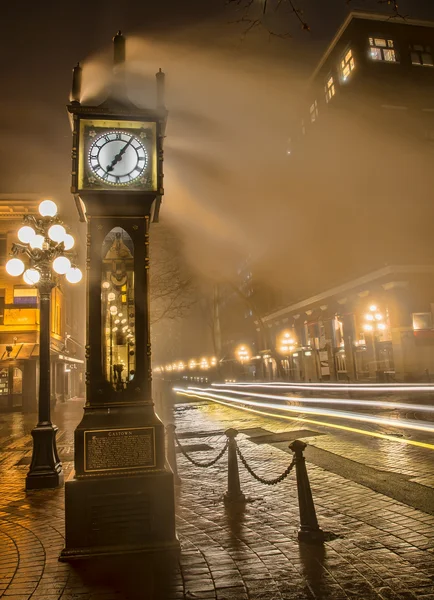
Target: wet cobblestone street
380, 548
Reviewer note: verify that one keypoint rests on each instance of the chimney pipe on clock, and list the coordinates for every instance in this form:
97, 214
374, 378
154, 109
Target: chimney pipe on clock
77, 72
160, 76
118, 49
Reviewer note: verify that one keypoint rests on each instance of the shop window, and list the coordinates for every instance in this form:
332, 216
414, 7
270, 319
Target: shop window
3, 250
330, 89
4, 381
17, 385
422, 321
421, 55
347, 64
341, 362
382, 50
25, 296
2, 307
314, 112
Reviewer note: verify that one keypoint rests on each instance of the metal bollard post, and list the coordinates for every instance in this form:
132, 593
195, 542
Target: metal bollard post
234, 493
309, 530
171, 452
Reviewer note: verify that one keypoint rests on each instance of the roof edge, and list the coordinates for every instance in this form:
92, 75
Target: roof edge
373, 16
345, 287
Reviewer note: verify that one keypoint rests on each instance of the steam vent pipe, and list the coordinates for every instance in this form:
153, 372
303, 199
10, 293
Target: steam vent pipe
118, 49
76, 83
160, 88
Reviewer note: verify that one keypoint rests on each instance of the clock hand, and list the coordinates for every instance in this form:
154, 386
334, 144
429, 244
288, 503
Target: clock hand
118, 156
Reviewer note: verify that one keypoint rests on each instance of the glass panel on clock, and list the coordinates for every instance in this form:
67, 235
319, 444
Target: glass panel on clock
118, 317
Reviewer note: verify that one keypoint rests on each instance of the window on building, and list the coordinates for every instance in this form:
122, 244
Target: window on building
382, 49
2, 307
3, 250
421, 55
25, 296
314, 112
330, 89
422, 321
347, 64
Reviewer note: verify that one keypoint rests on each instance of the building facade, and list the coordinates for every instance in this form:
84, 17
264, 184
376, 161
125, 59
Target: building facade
19, 326
376, 327
376, 68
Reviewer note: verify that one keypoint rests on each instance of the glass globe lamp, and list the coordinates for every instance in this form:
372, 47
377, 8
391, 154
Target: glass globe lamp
48, 208
26, 234
37, 242
57, 233
111, 296
68, 241
61, 265
31, 276
113, 310
15, 267
74, 275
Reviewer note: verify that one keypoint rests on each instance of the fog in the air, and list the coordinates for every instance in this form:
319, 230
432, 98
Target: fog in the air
235, 185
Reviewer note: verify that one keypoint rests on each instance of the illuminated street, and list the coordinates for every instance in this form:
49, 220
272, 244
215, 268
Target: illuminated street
380, 544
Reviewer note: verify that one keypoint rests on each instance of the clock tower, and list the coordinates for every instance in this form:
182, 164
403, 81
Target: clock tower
120, 497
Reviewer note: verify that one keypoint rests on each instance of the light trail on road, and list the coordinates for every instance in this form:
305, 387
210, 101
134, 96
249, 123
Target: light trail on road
368, 403
335, 387
257, 407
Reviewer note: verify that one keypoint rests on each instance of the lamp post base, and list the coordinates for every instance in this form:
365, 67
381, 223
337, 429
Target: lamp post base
46, 469
311, 536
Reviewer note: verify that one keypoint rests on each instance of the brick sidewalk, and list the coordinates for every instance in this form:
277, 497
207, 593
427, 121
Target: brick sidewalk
384, 549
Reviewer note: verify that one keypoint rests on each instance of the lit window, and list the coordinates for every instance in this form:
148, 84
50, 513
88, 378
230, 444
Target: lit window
421, 55
330, 90
422, 321
314, 112
382, 50
347, 64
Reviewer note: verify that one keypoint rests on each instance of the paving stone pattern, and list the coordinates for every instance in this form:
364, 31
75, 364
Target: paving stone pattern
382, 549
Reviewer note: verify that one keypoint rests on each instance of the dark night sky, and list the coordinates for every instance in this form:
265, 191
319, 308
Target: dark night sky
41, 42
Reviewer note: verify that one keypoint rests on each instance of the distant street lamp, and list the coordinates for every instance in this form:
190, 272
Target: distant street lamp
243, 354
43, 241
374, 324
286, 346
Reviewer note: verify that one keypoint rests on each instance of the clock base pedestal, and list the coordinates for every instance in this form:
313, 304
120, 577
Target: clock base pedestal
119, 515
111, 506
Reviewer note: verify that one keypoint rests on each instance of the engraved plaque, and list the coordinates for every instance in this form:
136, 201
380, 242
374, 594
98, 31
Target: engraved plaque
119, 449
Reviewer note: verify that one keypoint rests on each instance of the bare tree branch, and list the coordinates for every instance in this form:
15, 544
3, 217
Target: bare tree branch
259, 17
171, 286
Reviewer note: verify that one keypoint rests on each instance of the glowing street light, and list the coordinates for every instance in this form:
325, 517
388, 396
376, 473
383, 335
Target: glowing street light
243, 354
286, 346
374, 325
42, 244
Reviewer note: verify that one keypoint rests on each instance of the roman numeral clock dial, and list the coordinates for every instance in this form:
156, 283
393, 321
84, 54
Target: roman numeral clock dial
117, 155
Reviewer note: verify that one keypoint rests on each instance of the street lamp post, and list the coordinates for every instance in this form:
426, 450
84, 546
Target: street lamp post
287, 345
43, 241
374, 324
243, 355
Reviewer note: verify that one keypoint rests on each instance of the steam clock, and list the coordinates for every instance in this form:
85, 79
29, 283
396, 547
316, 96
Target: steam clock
120, 498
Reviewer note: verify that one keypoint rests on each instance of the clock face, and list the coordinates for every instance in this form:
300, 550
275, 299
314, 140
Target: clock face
118, 157
117, 154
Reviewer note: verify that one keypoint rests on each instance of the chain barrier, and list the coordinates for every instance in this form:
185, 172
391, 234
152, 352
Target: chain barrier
198, 464
261, 479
